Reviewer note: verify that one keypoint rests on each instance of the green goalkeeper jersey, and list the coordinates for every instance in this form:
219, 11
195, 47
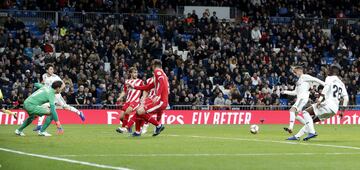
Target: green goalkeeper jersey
42, 96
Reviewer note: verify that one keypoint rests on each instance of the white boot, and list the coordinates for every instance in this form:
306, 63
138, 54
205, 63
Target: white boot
19, 133
44, 134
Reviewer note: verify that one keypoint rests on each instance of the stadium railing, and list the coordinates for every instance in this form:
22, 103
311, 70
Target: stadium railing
29, 17
194, 107
241, 107
54, 17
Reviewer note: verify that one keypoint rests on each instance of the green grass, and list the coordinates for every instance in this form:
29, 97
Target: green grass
180, 147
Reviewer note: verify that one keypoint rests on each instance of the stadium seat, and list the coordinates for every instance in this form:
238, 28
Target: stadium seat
358, 101
283, 102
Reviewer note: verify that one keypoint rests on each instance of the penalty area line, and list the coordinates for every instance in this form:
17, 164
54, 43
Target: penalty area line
268, 141
63, 159
208, 154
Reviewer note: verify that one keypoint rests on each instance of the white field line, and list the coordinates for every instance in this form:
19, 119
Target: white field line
64, 159
207, 154
269, 141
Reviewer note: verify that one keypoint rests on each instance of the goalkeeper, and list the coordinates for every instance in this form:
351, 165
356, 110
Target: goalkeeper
36, 105
3, 109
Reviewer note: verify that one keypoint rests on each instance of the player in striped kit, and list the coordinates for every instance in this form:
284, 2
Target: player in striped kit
153, 105
48, 79
149, 94
132, 97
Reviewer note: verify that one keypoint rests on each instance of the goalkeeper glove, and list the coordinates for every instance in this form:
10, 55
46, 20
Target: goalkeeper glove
60, 130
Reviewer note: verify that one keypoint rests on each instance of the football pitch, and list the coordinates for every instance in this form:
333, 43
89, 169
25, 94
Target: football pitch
180, 147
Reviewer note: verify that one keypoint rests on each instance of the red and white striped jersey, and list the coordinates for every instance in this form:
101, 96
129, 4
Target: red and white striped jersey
133, 95
161, 85
152, 91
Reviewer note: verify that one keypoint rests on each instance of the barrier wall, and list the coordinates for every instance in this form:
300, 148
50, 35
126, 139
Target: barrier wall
212, 117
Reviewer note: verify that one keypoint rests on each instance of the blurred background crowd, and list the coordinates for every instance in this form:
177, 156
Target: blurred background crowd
241, 62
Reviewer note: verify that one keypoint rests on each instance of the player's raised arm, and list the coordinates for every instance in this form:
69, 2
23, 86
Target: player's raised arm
146, 87
291, 93
308, 78
38, 85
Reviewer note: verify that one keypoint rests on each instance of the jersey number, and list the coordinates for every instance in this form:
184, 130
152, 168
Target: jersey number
337, 91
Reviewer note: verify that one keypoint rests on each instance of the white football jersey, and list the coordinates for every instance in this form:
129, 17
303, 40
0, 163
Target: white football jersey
303, 86
333, 91
49, 80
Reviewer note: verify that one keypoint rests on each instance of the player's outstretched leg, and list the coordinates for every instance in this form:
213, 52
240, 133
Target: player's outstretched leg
26, 123
159, 127
300, 119
139, 123
147, 117
125, 127
5, 110
144, 127
309, 123
73, 109
301, 132
59, 100
9, 113
290, 128
292, 112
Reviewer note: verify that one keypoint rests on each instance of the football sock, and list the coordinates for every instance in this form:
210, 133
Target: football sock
27, 122
292, 120
131, 121
147, 117
309, 122
302, 131
138, 124
125, 120
40, 120
73, 109
300, 119
158, 116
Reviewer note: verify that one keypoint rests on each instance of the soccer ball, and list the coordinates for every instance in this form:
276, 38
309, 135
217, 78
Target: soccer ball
254, 129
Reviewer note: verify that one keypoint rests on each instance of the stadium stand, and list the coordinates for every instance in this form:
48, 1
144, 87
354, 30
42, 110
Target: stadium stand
246, 60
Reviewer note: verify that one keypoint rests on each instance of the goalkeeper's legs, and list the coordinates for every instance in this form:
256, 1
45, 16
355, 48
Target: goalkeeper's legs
27, 122
47, 123
41, 118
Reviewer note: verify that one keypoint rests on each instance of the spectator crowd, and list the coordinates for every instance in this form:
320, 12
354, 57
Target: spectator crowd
245, 62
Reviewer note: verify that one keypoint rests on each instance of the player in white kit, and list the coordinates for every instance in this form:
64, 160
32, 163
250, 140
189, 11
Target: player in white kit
302, 92
48, 78
326, 106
